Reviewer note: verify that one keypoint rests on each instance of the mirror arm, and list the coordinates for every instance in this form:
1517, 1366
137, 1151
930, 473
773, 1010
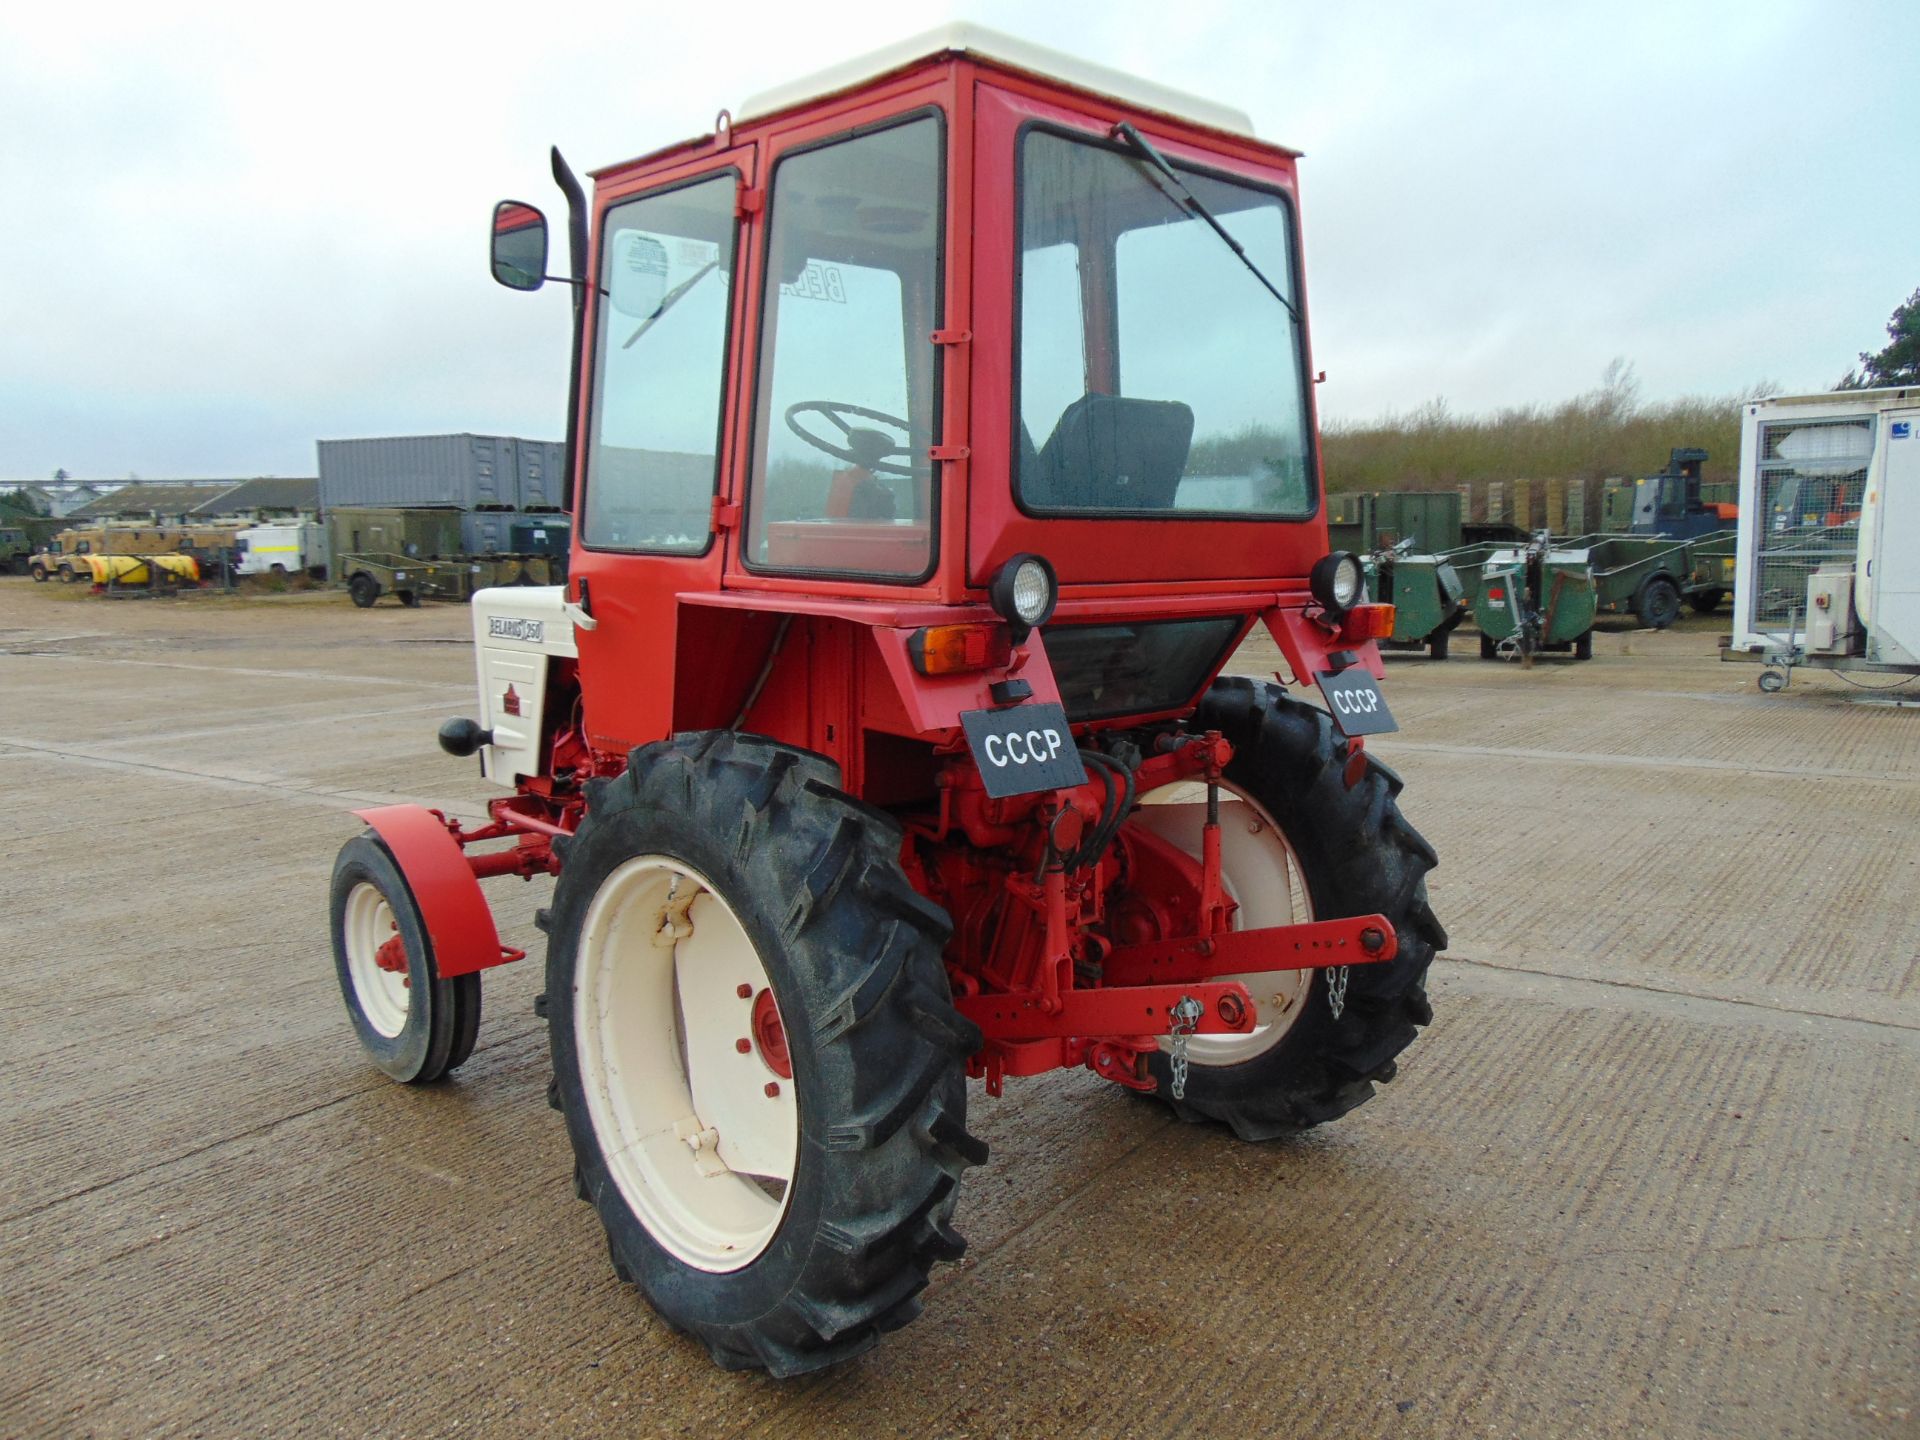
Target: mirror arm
569, 184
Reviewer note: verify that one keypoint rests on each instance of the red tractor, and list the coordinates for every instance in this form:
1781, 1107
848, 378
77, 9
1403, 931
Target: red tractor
938, 431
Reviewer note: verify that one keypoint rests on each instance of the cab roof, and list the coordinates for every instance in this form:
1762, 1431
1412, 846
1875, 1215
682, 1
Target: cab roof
989, 47
1009, 52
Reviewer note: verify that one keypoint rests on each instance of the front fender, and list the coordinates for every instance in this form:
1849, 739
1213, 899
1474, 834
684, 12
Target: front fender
459, 922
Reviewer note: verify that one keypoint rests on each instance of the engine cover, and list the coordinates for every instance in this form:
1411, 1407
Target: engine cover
518, 631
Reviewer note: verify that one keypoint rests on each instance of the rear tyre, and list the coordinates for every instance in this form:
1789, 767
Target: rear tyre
412, 1024
1657, 603
777, 1175
408, 598
363, 589
1356, 856
1705, 602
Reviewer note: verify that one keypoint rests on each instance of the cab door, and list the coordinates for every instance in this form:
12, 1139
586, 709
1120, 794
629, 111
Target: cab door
659, 380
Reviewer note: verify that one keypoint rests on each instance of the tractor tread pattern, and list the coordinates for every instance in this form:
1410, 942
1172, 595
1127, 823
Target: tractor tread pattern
826, 872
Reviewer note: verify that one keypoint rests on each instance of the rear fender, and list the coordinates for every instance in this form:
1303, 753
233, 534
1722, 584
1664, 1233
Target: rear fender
459, 922
934, 703
1309, 647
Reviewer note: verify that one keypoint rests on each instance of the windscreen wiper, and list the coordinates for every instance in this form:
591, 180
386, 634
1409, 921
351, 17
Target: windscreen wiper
1187, 201
671, 299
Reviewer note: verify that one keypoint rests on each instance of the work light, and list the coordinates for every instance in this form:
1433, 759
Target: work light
1023, 594
1336, 582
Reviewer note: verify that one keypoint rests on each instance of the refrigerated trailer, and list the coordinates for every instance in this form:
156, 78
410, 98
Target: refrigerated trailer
1827, 571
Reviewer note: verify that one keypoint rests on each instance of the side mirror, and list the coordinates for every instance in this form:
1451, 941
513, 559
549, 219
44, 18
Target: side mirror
519, 246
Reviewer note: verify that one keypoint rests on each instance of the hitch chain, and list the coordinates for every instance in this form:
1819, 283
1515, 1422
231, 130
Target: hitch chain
1181, 1023
1337, 989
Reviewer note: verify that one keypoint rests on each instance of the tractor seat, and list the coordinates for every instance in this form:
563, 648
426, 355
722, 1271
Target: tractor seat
1111, 452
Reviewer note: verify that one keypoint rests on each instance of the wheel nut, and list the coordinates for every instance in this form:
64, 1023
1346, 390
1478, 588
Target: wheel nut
1371, 940
1232, 1010
745, 992
744, 1046
773, 1089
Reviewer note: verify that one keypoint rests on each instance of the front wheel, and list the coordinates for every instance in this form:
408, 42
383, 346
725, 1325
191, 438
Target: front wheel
39, 574
363, 589
1306, 846
414, 1025
754, 1047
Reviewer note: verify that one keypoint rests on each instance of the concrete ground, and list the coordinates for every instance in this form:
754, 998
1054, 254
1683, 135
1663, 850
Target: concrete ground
1652, 1171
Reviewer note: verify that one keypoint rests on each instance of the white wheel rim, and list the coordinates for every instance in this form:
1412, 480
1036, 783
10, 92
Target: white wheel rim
1260, 872
700, 1150
383, 994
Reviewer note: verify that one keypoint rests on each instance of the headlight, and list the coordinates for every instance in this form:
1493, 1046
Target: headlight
1023, 594
1336, 581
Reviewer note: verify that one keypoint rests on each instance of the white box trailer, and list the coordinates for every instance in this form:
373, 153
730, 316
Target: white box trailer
1828, 568
290, 548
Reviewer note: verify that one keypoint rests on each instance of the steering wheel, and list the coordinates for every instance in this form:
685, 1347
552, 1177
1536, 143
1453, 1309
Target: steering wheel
872, 450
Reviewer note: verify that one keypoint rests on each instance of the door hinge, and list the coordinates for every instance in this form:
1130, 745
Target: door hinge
948, 452
748, 201
951, 337
726, 513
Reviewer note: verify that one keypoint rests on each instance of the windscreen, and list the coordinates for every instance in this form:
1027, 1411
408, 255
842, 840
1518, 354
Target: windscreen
1157, 375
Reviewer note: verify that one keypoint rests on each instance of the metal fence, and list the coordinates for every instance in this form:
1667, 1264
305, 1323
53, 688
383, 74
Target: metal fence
1812, 476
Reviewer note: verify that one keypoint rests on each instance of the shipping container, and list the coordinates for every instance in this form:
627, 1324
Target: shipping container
461, 472
542, 474
513, 532
541, 535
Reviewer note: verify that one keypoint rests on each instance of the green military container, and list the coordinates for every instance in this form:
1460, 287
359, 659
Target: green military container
417, 533
1535, 598
1362, 521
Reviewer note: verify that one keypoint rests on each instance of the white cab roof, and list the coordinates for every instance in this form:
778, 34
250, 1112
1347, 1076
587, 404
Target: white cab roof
1014, 53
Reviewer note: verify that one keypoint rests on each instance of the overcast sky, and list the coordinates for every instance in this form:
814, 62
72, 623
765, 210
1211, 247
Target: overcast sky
233, 231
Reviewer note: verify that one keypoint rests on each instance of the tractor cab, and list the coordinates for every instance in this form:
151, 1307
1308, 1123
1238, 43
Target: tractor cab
885, 332
938, 429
